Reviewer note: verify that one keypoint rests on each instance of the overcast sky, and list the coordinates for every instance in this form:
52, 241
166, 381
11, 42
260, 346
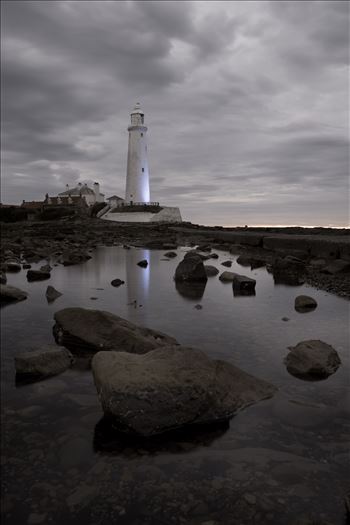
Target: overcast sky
246, 104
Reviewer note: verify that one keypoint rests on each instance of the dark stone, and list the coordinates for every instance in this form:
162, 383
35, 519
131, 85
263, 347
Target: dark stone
227, 263
170, 254
52, 294
243, 283
171, 387
304, 303
37, 275
3, 278
191, 268
10, 294
192, 290
47, 361
117, 282
12, 267
85, 331
26, 266
312, 359
211, 271
143, 263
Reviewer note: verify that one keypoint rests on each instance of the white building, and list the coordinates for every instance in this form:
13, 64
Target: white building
137, 175
91, 196
137, 206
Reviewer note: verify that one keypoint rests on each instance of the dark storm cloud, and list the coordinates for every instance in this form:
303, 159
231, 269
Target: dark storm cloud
246, 104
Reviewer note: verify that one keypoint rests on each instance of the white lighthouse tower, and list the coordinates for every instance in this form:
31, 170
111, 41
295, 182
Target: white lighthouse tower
137, 176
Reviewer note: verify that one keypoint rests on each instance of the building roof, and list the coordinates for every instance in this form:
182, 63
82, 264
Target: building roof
115, 197
78, 190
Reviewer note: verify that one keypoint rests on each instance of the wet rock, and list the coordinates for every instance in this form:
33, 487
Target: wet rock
3, 278
312, 359
191, 268
170, 254
211, 271
227, 263
117, 282
285, 319
204, 248
12, 267
52, 294
304, 303
198, 307
46, 268
37, 275
85, 331
143, 263
9, 294
245, 260
72, 258
26, 266
48, 360
214, 256
243, 283
337, 266
171, 387
227, 277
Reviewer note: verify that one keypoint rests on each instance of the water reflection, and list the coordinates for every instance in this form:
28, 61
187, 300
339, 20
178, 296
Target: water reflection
137, 279
111, 442
192, 291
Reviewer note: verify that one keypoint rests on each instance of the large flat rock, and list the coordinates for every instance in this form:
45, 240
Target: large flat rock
11, 294
171, 387
87, 331
45, 361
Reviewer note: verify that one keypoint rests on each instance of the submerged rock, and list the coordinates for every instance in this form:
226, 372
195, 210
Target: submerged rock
87, 331
192, 290
47, 361
304, 303
52, 294
11, 294
170, 255
312, 359
191, 268
37, 275
171, 387
227, 277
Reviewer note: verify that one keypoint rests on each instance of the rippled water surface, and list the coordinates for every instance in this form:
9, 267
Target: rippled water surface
276, 461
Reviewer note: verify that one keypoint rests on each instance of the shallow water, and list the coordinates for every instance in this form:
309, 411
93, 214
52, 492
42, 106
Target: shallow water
276, 461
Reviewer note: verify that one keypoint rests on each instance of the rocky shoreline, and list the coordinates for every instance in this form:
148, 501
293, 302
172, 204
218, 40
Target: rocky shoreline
318, 256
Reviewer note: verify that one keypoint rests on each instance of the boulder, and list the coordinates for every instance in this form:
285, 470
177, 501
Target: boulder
242, 283
171, 387
86, 332
304, 303
52, 294
37, 275
170, 255
13, 267
10, 294
192, 290
337, 266
117, 282
211, 270
243, 260
312, 359
46, 361
214, 256
227, 277
191, 268
143, 263
228, 264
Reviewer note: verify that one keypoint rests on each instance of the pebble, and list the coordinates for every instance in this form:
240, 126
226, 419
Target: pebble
250, 498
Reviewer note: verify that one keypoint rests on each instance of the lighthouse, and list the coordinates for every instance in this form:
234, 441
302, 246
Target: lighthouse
137, 175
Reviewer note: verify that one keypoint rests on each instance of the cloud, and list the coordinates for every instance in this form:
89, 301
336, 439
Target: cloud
246, 104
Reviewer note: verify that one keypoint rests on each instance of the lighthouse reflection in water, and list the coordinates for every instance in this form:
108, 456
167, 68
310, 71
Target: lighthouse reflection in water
137, 278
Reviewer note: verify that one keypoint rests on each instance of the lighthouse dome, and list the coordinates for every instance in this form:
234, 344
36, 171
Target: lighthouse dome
137, 109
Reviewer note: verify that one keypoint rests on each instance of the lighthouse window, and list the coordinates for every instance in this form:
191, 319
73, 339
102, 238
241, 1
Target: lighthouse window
141, 134
143, 169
